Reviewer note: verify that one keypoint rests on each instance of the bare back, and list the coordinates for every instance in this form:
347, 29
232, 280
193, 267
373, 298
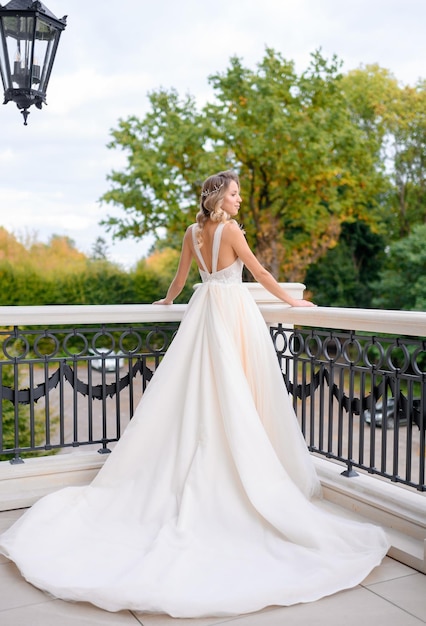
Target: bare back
227, 254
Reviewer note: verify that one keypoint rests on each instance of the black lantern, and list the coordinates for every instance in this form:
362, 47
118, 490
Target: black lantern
29, 37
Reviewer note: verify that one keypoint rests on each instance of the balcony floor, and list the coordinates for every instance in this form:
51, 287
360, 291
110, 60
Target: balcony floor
393, 594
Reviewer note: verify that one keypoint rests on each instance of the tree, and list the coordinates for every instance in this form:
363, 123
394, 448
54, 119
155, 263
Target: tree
305, 167
22, 285
393, 117
11, 249
152, 276
167, 161
309, 168
59, 254
346, 274
99, 250
58, 273
402, 282
99, 283
407, 145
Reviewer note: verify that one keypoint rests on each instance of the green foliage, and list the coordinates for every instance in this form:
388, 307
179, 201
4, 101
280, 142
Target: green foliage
100, 283
309, 169
153, 275
394, 119
99, 250
22, 285
403, 280
345, 275
332, 167
316, 152
304, 166
166, 164
147, 284
96, 281
409, 155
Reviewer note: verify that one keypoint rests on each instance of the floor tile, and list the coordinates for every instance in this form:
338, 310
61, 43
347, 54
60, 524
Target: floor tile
7, 518
351, 608
58, 613
15, 591
166, 620
408, 592
388, 570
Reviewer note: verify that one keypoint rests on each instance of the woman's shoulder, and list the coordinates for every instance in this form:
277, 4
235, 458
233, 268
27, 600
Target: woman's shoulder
233, 228
189, 230
231, 224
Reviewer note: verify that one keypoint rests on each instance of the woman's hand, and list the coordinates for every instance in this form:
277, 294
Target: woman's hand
163, 301
303, 303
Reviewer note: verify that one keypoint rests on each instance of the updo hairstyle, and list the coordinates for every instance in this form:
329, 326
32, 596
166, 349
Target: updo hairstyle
212, 193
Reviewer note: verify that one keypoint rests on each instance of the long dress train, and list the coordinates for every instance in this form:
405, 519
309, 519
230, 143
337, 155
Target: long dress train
206, 506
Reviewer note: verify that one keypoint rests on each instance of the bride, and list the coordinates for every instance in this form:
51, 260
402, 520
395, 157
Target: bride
207, 505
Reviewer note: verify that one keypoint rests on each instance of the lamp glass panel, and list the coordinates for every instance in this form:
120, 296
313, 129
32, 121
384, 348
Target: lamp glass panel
19, 33
4, 60
44, 48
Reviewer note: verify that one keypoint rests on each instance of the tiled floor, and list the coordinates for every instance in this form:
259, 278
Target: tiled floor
392, 595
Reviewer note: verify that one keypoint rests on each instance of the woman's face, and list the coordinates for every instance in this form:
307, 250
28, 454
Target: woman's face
232, 200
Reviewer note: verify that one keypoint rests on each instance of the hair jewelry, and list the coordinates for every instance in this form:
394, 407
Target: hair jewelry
207, 192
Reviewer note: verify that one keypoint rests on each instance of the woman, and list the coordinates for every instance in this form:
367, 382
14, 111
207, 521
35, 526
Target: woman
205, 506
220, 201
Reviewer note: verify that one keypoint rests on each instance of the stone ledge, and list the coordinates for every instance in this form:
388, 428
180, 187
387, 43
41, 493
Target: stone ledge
400, 511
22, 485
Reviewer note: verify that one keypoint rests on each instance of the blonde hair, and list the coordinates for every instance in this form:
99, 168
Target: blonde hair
212, 193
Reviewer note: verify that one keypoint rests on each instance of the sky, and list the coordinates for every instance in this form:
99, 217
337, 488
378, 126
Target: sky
111, 55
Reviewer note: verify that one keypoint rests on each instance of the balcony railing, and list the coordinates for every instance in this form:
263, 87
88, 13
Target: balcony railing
360, 398
73, 375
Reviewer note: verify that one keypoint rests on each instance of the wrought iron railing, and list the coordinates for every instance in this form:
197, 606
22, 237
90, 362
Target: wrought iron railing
360, 398
77, 386
72, 387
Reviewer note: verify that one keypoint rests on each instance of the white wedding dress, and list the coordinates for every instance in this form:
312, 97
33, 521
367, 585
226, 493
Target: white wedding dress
204, 506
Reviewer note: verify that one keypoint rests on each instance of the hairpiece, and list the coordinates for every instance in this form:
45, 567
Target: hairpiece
207, 192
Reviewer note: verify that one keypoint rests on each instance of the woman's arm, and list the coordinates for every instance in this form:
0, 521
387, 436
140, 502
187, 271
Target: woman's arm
265, 278
182, 272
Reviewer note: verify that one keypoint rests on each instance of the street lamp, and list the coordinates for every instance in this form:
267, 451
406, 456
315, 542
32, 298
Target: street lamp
29, 37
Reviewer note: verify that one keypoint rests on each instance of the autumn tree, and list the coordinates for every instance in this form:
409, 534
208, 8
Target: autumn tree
393, 117
310, 169
407, 147
304, 166
11, 249
57, 273
59, 254
167, 160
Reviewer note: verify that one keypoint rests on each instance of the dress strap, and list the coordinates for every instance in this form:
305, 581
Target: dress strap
216, 245
197, 249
